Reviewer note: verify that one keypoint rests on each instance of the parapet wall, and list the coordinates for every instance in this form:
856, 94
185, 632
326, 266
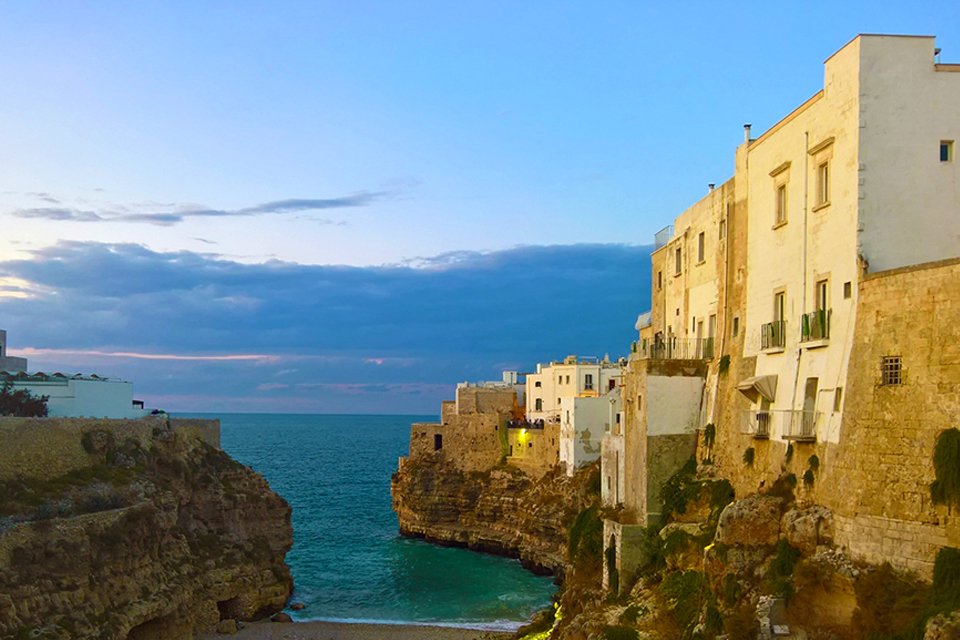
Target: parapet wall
46, 448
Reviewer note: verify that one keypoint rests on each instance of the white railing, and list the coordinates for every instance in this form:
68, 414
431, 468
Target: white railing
789, 424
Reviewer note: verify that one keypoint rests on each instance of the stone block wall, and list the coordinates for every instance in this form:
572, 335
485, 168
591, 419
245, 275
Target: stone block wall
876, 478
46, 448
469, 442
534, 451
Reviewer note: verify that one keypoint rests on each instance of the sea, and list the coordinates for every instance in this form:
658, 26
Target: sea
348, 560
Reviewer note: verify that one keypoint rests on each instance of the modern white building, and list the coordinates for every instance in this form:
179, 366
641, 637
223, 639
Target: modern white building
583, 423
80, 396
574, 377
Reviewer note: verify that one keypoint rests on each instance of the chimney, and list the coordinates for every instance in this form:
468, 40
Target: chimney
711, 186
746, 133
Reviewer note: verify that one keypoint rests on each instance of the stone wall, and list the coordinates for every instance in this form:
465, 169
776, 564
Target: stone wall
534, 451
469, 442
876, 478
46, 448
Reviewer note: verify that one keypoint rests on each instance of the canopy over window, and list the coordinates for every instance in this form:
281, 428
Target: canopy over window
759, 387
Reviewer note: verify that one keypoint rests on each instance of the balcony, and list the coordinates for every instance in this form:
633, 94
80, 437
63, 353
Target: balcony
801, 425
773, 335
789, 424
756, 423
675, 349
662, 237
815, 326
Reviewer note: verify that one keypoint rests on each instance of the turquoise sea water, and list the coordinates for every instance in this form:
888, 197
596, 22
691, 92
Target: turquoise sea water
348, 561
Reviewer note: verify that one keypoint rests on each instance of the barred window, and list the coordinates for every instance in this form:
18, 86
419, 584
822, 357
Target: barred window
891, 370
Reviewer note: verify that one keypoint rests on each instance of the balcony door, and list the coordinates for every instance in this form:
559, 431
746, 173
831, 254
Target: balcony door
809, 406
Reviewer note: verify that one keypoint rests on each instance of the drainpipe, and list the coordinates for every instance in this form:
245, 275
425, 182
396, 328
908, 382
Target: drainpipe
803, 293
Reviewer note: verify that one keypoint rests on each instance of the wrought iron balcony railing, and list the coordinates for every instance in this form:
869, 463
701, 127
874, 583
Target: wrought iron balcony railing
773, 335
675, 349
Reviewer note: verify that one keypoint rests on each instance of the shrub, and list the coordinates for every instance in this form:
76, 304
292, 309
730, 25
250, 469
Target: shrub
724, 364
748, 455
780, 573
808, 478
945, 489
946, 578
687, 591
814, 462
887, 603
679, 489
709, 434
585, 538
632, 613
21, 403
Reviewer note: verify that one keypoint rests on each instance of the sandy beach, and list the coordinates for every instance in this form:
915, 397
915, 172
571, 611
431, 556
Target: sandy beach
316, 630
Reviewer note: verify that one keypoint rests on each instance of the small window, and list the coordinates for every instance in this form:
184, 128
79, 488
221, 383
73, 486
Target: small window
437, 442
781, 204
736, 326
837, 399
701, 242
891, 371
612, 384
678, 258
588, 382
568, 380
659, 280
723, 229
530, 444
537, 384
847, 290
693, 324
946, 151
822, 294
538, 404
678, 312
823, 184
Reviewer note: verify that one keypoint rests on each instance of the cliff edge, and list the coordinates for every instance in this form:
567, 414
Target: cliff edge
159, 534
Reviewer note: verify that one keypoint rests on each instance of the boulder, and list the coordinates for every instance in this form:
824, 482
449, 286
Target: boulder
806, 529
281, 617
227, 627
753, 521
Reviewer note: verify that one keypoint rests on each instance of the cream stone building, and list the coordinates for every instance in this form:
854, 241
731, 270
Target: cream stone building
804, 363
580, 396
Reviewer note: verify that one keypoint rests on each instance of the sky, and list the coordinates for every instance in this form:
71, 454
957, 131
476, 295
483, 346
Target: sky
351, 206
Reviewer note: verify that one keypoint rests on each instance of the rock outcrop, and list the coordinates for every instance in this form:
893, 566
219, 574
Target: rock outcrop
157, 539
502, 511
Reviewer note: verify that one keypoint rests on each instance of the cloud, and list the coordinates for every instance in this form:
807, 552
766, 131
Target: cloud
191, 325
179, 214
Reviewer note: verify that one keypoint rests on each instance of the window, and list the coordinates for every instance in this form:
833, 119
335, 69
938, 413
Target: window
588, 382
822, 299
823, 184
736, 326
700, 246
568, 379
946, 151
723, 229
612, 384
659, 280
538, 404
891, 371
678, 257
837, 399
693, 325
781, 204
537, 384
437, 442
780, 306
847, 290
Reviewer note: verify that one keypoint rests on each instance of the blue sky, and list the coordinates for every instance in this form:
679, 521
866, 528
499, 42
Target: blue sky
163, 163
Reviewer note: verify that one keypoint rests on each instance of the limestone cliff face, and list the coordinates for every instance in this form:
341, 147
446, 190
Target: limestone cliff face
160, 538
501, 511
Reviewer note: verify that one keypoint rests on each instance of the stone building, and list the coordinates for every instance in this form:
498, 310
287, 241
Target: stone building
824, 274
581, 396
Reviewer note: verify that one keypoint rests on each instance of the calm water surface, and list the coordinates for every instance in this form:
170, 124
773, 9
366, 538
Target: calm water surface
348, 561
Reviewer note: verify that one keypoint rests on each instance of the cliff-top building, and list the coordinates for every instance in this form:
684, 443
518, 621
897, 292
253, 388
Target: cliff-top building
815, 297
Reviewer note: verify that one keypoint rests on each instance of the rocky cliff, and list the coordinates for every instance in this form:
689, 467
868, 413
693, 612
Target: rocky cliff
502, 511
159, 537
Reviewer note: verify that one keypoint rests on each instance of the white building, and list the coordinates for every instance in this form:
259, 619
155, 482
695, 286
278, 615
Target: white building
9, 363
79, 396
580, 395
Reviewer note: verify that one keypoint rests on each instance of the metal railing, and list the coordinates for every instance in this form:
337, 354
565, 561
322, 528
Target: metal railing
773, 335
790, 424
675, 349
756, 423
815, 325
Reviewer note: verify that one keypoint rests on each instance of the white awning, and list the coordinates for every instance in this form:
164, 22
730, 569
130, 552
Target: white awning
643, 320
759, 386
